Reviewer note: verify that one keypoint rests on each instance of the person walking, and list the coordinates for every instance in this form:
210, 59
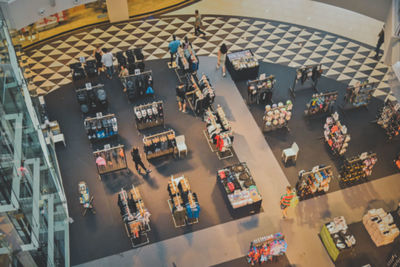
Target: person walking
97, 54
221, 58
173, 48
286, 199
197, 24
123, 73
108, 61
180, 97
138, 160
381, 39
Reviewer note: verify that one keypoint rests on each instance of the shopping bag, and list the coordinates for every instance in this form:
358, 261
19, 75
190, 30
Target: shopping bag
294, 201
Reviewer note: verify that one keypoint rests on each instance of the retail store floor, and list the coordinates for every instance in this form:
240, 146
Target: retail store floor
308, 132
103, 234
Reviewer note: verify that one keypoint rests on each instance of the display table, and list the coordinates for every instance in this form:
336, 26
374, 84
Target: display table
239, 189
242, 65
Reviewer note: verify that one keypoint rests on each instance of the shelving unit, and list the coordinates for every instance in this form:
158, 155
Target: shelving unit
149, 115
168, 146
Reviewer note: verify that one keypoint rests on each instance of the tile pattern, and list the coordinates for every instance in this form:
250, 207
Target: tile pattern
275, 42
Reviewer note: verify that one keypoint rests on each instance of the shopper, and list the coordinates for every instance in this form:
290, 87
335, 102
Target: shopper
138, 160
173, 47
221, 58
186, 43
97, 54
107, 60
123, 73
180, 97
381, 39
197, 24
286, 199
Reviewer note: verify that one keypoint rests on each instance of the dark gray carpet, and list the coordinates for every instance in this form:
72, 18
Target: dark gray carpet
306, 132
103, 234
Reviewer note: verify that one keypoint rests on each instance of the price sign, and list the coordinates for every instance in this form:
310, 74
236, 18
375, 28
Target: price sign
88, 86
137, 71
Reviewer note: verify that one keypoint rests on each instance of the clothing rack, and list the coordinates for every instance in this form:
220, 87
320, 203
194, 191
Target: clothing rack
218, 132
92, 98
359, 95
260, 90
314, 181
335, 135
101, 127
110, 159
305, 73
277, 116
357, 168
321, 103
138, 84
199, 93
183, 202
149, 115
160, 144
135, 216
266, 248
389, 119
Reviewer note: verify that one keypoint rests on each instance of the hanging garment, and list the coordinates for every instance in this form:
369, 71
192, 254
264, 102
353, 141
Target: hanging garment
100, 161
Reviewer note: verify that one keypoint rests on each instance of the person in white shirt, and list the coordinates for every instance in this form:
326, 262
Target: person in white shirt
107, 60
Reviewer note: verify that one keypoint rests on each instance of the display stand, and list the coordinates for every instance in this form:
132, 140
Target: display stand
309, 72
260, 90
139, 84
160, 144
266, 249
110, 159
321, 103
315, 181
357, 168
389, 119
239, 189
200, 94
242, 65
135, 216
92, 99
335, 135
337, 239
149, 115
359, 95
218, 133
183, 203
277, 116
381, 227
101, 127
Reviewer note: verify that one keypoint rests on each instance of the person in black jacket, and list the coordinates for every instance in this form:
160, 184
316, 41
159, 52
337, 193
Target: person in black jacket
137, 159
180, 97
381, 39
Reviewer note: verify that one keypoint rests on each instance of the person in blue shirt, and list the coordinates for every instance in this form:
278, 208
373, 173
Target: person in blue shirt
173, 47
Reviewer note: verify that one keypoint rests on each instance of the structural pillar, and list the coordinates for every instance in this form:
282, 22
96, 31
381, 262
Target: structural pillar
117, 10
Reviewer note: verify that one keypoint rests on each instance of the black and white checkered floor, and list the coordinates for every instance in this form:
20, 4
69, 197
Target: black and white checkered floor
344, 60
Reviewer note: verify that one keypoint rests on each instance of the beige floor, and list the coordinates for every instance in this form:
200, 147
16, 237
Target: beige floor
231, 240
303, 12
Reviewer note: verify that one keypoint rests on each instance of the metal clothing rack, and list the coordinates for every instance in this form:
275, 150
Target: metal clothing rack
174, 183
262, 78
89, 86
228, 153
144, 125
100, 116
171, 150
320, 111
106, 169
365, 88
292, 89
303, 175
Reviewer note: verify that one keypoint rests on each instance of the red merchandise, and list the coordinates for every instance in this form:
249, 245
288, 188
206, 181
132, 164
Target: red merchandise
222, 175
231, 186
220, 142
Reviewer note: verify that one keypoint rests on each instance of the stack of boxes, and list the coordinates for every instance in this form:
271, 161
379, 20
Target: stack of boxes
380, 226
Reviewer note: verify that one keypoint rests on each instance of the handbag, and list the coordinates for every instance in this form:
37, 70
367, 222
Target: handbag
294, 201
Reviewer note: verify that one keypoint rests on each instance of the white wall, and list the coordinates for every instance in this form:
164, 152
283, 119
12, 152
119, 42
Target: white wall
24, 12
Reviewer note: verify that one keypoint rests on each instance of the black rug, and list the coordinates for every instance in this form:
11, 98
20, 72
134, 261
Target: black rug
103, 234
307, 132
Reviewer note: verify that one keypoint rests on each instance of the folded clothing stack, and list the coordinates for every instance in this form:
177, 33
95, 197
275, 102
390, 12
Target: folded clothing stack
380, 226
